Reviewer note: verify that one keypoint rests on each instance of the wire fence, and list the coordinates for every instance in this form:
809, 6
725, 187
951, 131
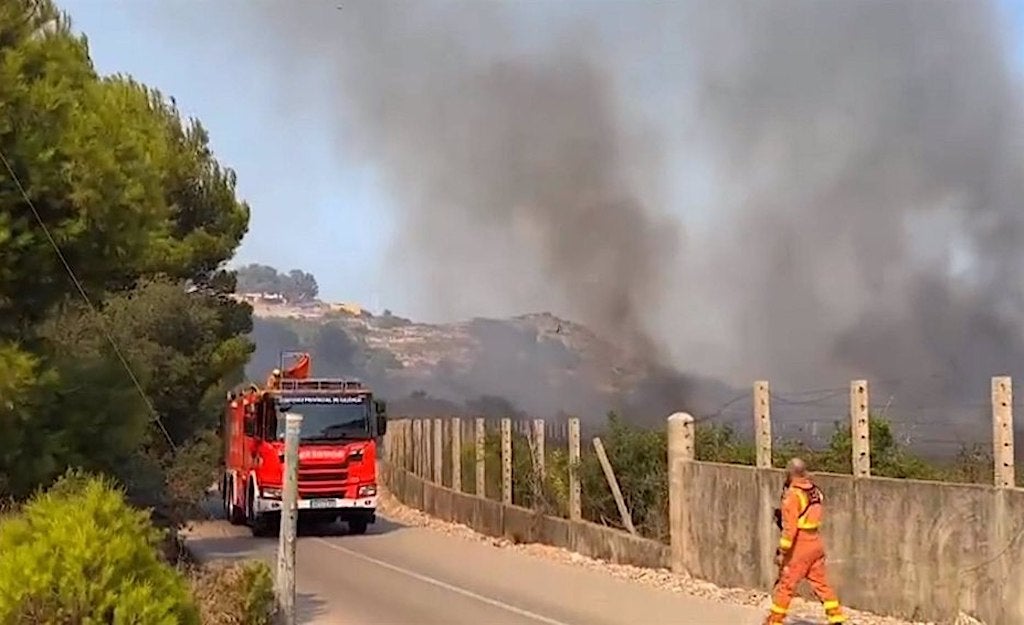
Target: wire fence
950, 441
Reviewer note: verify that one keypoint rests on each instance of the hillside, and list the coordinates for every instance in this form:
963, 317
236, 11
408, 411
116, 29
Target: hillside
540, 363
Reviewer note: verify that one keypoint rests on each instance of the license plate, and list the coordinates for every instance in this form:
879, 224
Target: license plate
321, 503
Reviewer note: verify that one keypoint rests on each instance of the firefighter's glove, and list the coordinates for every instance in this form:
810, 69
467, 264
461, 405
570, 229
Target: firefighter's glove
780, 558
778, 518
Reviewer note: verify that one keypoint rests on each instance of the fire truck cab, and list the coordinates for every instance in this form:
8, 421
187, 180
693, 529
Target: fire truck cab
337, 473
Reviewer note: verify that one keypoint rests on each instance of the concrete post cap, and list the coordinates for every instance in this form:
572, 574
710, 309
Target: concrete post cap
293, 418
684, 417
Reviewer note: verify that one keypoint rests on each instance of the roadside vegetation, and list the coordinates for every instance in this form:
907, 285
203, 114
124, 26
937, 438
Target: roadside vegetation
117, 338
80, 553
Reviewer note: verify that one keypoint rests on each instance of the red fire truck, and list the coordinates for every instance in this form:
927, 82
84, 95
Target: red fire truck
341, 421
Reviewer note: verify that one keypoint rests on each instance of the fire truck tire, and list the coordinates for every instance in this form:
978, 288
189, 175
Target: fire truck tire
260, 524
234, 514
357, 526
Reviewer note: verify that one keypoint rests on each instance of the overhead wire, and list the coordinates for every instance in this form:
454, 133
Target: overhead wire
88, 301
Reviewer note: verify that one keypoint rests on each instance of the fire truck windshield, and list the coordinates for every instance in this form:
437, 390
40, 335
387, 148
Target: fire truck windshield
327, 420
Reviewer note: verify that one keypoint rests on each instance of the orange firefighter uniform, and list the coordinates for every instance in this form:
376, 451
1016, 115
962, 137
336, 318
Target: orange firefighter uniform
802, 552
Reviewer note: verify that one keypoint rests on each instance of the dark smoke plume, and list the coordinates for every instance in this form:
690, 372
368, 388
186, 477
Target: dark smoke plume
854, 170
878, 147
509, 164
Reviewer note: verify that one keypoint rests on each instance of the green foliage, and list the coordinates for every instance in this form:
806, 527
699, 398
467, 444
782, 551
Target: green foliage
89, 413
888, 457
146, 218
80, 554
639, 459
237, 593
194, 468
294, 286
973, 465
719, 443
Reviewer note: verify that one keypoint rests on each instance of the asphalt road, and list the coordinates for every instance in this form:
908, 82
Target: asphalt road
397, 575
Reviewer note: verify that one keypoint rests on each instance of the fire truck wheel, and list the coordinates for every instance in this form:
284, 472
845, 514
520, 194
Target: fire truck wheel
260, 524
234, 514
357, 526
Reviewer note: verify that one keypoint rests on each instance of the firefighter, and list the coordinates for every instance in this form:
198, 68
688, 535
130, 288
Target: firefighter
274, 379
801, 553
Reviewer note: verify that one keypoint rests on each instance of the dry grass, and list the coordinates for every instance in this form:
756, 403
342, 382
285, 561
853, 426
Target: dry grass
236, 593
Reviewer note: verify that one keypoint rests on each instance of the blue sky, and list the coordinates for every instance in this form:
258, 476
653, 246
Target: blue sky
310, 208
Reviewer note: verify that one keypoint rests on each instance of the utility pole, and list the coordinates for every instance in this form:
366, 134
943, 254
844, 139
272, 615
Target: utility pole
289, 505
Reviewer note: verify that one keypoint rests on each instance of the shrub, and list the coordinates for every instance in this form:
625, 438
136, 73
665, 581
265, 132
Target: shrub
79, 554
638, 457
239, 593
191, 472
888, 457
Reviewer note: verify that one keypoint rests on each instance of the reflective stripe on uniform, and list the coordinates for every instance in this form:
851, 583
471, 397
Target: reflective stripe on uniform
836, 618
779, 609
831, 605
785, 543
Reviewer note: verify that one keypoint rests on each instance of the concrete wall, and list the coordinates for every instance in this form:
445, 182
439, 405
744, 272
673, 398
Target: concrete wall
920, 550
492, 518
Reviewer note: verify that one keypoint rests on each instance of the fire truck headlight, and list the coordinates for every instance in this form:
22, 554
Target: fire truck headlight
272, 493
367, 491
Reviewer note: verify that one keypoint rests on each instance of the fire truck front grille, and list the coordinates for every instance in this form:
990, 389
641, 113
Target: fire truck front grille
323, 480
322, 476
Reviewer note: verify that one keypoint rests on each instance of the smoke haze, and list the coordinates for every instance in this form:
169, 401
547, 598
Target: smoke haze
799, 190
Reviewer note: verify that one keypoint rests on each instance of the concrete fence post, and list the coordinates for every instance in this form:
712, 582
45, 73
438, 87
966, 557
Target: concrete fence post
575, 499
438, 451
680, 453
1002, 431
457, 454
428, 449
763, 423
407, 445
767, 495
393, 438
506, 461
424, 472
481, 457
417, 446
399, 438
393, 443
860, 431
428, 445
537, 447
289, 519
